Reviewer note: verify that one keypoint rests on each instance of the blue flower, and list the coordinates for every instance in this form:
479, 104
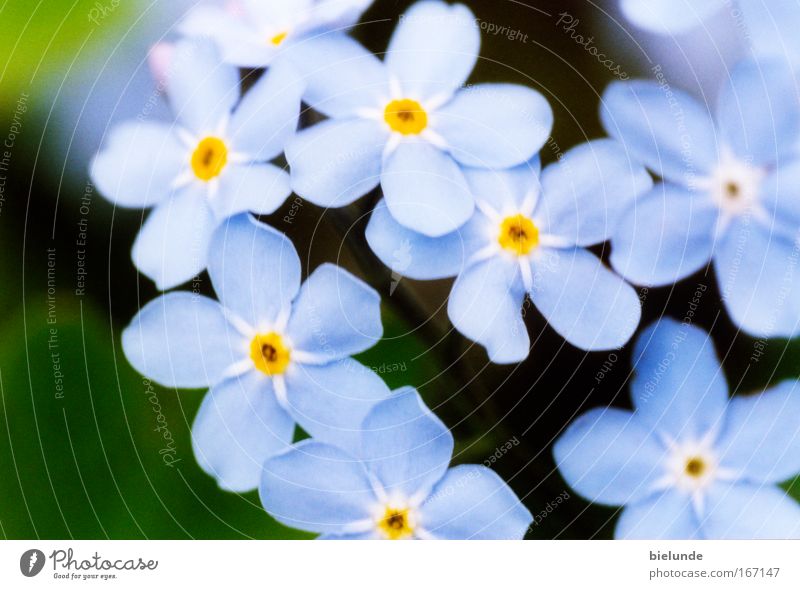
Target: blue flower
394, 485
253, 33
407, 124
272, 351
730, 192
208, 165
688, 462
528, 237
670, 16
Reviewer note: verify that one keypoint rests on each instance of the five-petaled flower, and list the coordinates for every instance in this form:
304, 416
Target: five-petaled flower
273, 352
209, 165
253, 33
688, 462
730, 191
528, 238
407, 124
393, 484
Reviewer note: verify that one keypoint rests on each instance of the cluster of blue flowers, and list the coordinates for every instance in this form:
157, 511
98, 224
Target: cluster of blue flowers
464, 193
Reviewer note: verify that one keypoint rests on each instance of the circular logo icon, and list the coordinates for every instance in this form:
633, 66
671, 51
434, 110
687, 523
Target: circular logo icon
31, 562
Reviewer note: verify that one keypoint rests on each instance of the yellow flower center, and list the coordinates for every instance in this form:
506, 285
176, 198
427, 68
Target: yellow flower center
695, 467
396, 524
269, 353
209, 158
406, 116
518, 235
279, 38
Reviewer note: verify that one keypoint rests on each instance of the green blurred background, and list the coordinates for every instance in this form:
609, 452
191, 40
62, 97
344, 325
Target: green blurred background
89, 449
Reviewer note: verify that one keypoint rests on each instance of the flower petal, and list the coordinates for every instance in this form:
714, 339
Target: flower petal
414, 255
182, 340
425, 190
335, 314
678, 386
750, 512
240, 425
267, 116
316, 487
671, 17
236, 38
255, 270
342, 77
138, 164
506, 190
473, 503
670, 132
771, 27
201, 88
586, 192
405, 445
665, 236
587, 304
433, 49
260, 188
761, 438
756, 268
172, 246
610, 457
757, 110
486, 306
337, 161
330, 401
495, 125
667, 516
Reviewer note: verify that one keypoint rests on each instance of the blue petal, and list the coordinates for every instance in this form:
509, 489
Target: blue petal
331, 401
414, 255
267, 116
668, 516
587, 304
486, 306
761, 438
238, 427
335, 315
678, 386
260, 188
665, 236
609, 456
473, 503
138, 164
779, 196
405, 445
182, 340
255, 270
495, 125
671, 17
335, 162
172, 246
772, 27
757, 111
756, 268
233, 35
342, 77
505, 190
371, 535
433, 49
316, 487
671, 133
425, 190
750, 512
586, 192
201, 88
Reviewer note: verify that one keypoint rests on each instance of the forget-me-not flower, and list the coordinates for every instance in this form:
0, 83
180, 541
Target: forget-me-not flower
688, 462
210, 164
253, 33
407, 123
528, 238
273, 352
730, 193
395, 484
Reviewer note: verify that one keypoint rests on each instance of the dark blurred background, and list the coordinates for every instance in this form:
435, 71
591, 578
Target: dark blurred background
90, 449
